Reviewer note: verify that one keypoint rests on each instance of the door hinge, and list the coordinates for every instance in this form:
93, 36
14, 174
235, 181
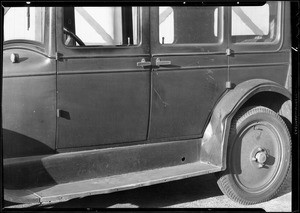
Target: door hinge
58, 113
63, 114
229, 52
58, 56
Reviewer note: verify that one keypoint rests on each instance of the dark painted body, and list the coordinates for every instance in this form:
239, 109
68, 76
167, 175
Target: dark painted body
29, 96
59, 99
184, 92
29, 104
105, 91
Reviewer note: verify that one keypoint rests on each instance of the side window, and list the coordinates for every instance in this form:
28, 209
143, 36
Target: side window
254, 23
166, 25
188, 25
105, 26
26, 23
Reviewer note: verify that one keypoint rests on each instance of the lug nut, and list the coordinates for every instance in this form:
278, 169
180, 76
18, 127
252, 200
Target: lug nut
259, 149
253, 159
260, 165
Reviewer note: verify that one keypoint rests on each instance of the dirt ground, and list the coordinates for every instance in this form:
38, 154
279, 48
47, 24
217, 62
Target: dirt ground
197, 192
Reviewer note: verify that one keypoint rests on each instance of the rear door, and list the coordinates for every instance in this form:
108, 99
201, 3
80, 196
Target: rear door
103, 87
188, 46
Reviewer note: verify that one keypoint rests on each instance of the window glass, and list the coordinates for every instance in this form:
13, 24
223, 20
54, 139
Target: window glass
103, 26
166, 25
24, 23
254, 23
188, 25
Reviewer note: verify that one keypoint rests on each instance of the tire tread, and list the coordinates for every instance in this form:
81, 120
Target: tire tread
223, 178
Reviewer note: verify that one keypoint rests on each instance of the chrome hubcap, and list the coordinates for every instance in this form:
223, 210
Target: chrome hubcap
260, 156
257, 158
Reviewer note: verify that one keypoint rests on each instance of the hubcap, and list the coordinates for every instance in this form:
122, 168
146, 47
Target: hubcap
261, 157
256, 156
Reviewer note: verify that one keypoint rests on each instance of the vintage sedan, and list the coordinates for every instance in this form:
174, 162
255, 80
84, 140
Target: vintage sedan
101, 99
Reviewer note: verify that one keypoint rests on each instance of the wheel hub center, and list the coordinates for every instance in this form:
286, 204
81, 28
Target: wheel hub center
261, 157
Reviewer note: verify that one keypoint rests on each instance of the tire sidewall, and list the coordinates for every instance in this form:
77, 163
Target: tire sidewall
253, 115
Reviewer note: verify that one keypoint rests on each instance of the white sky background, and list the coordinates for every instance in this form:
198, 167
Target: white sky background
15, 24
105, 16
258, 15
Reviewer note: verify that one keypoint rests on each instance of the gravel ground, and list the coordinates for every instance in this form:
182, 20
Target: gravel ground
197, 192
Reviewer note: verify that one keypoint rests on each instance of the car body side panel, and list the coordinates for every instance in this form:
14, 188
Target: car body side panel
185, 91
103, 107
183, 98
98, 163
29, 104
272, 66
103, 96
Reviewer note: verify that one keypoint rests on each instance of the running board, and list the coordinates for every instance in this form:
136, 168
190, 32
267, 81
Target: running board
67, 191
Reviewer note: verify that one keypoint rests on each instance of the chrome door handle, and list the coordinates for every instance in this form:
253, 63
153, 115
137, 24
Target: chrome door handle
143, 63
161, 63
15, 58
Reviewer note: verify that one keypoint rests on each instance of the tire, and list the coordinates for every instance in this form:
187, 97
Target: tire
258, 156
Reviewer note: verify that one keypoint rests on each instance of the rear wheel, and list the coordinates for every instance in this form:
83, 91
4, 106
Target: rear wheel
258, 156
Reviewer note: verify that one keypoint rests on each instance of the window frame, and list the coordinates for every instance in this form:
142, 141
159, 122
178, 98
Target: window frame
28, 41
139, 32
72, 52
47, 47
272, 46
159, 49
220, 29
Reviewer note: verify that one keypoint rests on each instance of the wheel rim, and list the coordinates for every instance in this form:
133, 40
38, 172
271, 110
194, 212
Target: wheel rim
256, 157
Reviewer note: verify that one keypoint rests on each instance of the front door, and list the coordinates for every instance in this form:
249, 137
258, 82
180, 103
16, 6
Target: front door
29, 82
103, 77
188, 46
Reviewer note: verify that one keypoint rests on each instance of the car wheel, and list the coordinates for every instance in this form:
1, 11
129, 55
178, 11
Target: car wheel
258, 156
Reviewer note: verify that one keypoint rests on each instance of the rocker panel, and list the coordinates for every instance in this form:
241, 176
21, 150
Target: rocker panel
38, 171
67, 191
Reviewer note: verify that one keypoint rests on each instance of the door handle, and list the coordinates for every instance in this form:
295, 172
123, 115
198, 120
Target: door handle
14, 58
143, 63
161, 63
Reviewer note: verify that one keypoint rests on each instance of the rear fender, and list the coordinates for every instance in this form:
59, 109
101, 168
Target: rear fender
214, 144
